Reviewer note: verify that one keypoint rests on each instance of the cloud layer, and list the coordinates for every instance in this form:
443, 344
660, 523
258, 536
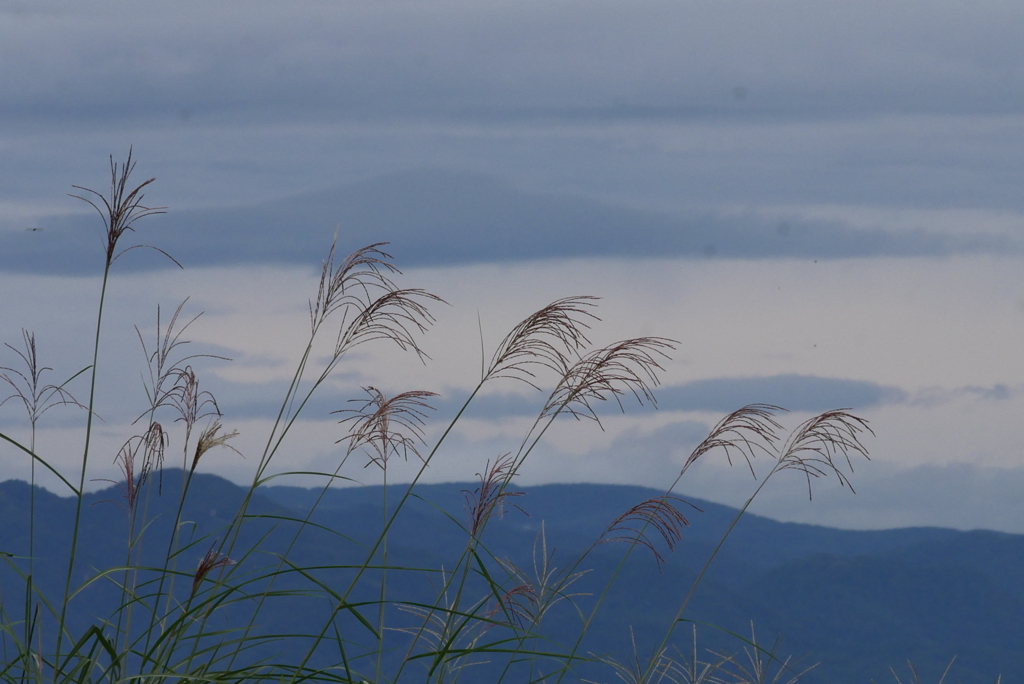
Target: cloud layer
821, 202
510, 59
436, 217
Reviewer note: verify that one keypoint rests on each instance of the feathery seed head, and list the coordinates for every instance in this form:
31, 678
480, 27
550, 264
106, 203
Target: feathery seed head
488, 499
190, 403
351, 282
626, 367
209, 562
746, 431
122, 208
396, 315
820, 445
36, 399
659, 514
163, 370
387, 427
212, 437
550, 338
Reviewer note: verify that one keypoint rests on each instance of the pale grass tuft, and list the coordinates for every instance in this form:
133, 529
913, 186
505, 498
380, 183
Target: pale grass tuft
915, 678
764, 666
697, 671
161, 368
659, 670
450, 643
534, 595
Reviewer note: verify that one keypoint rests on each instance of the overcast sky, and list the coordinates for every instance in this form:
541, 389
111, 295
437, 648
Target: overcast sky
820, 201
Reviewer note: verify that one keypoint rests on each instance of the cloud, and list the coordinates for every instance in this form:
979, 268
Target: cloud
683, 104
959, 495
936, 396
801, 393
790, 391
437, 217
888, 493
509, 59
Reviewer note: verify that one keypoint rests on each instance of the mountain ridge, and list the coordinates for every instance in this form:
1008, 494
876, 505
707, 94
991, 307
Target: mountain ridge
858, 601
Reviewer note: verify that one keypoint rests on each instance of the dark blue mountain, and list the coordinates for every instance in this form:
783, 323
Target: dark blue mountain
858, 603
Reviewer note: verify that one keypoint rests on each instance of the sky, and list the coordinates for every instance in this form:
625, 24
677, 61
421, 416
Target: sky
819, 202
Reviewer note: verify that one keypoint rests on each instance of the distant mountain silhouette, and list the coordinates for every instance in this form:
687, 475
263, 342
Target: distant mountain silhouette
858, 602
439, 216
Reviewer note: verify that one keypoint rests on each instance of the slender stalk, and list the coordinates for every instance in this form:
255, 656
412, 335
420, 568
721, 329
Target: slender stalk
383, 579
813, 450
707, 564
342, 602
29, 590
119, 211
36, 399
81, 481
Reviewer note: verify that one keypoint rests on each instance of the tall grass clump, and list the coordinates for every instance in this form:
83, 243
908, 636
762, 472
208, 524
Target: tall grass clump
360, 610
